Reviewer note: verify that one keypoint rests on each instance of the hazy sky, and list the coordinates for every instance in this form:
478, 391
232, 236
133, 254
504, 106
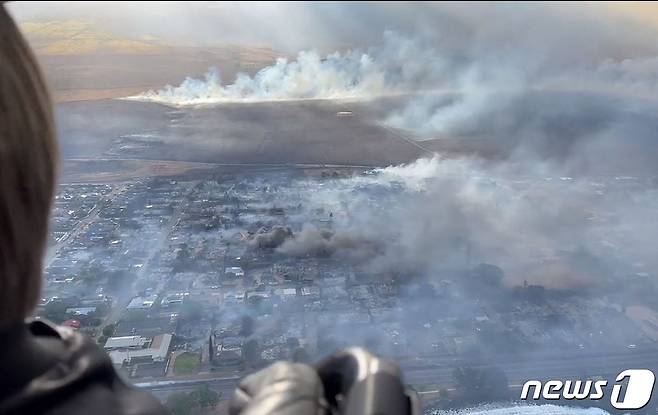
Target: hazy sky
291, 27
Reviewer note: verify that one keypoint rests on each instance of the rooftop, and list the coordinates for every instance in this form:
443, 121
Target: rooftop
158, 351
142, 302
125, 342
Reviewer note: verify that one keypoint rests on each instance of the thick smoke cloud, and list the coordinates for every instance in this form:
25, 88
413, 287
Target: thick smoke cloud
315, 242
307, 77
389, 69
497, 73
270, 239
475, 51
322, 243
434, 217
557, 92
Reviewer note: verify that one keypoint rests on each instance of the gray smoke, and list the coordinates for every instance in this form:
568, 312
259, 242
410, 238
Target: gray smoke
315, 242
270, 239
492, 73
391, 68
432, 217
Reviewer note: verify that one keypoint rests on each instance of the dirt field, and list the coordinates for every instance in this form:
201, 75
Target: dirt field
83, 62
303, 132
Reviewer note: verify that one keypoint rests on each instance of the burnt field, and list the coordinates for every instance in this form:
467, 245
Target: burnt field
301, 132
576, 133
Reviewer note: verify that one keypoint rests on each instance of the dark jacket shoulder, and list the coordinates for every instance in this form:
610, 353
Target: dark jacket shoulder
80, 379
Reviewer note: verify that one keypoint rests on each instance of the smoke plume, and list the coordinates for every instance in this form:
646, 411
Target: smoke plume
270, 239
322, 243
434, 216
574, 96
568, 109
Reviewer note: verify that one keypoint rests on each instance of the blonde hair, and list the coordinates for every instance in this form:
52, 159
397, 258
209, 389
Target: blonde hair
28, 159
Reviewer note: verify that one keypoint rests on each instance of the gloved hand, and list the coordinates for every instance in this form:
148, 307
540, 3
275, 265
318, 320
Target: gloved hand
281, 389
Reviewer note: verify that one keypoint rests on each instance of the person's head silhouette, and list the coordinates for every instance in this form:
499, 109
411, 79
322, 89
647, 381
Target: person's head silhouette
28, 158
45, 369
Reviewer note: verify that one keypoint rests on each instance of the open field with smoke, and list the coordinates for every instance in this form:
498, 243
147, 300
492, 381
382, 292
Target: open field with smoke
581, 98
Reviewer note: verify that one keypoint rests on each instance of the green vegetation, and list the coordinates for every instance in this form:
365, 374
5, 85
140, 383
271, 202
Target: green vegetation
186, 364
108, 330
183, 403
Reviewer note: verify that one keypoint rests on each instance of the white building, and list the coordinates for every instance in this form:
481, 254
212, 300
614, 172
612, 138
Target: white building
142, 303
237, 271
80, 311
157, 351
286, 293
126, 342
234, 297
173, 299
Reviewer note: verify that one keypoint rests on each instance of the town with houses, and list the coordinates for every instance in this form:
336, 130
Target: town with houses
182, 278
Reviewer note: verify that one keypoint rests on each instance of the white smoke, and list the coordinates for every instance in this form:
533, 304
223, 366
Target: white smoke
337, 76
399, 65
487, 95
477, 93
448, 96
436, 214
528, 97
414, 175
635, 77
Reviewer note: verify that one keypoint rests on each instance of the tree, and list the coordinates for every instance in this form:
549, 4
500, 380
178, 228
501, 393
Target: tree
56, 310
108, 330
246, 326
182, 403
183, 259
189, 403
93, 322
206, 397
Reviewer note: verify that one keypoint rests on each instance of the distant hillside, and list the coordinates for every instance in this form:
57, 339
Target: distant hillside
82, 62
75, 37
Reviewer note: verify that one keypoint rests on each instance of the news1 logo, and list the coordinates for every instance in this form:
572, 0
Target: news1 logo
639, 388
